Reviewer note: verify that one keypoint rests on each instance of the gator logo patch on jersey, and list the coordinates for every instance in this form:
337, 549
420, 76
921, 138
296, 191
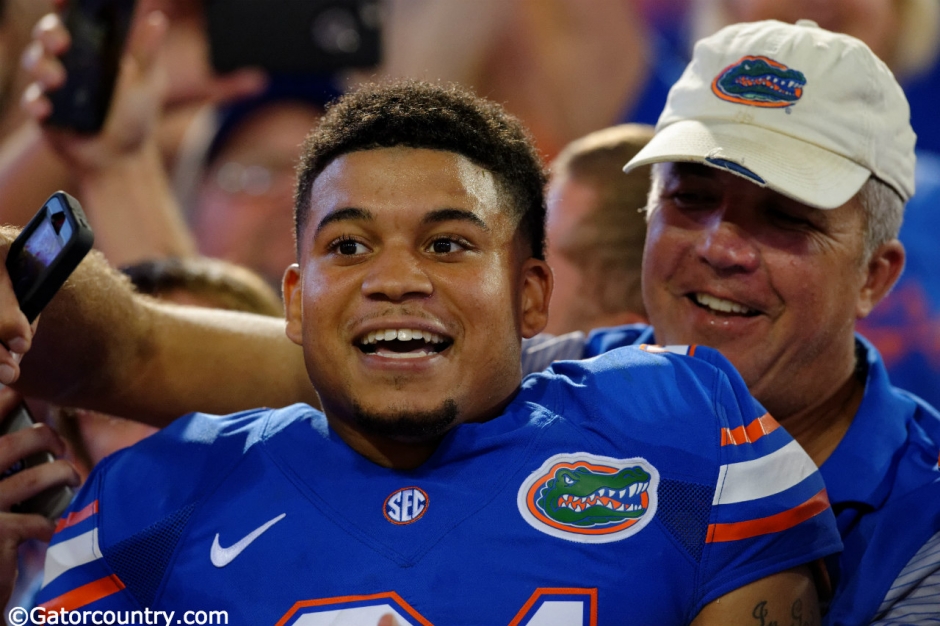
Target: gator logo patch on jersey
759, 82
588, 498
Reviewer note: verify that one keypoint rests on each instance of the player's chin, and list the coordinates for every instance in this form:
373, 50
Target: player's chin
407, 421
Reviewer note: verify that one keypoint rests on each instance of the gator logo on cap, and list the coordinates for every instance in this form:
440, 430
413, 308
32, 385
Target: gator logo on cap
759, 82
589, 499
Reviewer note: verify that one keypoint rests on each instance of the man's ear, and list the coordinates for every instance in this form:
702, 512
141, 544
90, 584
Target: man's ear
293, 303
537, 282
883, 270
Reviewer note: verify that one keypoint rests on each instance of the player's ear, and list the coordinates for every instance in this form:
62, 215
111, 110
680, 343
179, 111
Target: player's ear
293, 303
535, 294
882, 272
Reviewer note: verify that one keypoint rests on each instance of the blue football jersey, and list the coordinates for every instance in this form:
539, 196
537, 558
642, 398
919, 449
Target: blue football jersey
631, 488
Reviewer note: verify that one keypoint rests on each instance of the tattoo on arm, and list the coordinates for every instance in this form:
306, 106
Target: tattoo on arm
796, 613
762, 615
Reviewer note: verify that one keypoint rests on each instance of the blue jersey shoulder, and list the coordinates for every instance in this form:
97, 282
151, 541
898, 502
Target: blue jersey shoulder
677, 379
135, 505
177, 465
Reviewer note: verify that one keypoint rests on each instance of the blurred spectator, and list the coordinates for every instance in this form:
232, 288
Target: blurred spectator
906, 326
210, 283
903, 33
240, 202
241, 210
563, 70
118, 174
596, 230
17, 18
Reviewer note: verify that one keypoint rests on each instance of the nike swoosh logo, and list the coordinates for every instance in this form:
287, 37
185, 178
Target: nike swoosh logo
223, 556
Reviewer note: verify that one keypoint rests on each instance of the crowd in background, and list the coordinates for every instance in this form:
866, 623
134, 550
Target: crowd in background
227, 144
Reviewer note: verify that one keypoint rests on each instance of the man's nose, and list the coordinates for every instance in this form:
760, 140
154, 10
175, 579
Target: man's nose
396, 275
727, 245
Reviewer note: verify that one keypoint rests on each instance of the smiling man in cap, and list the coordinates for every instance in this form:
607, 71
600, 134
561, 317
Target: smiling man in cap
781, 165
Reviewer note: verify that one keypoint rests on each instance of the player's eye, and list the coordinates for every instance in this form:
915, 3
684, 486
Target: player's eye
447, 245
347, 246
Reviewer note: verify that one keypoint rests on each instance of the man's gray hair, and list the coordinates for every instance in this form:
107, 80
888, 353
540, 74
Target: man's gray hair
883, 208
884, 211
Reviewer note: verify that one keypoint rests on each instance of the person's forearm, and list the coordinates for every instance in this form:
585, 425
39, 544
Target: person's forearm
133, 211
217, 362
100, 346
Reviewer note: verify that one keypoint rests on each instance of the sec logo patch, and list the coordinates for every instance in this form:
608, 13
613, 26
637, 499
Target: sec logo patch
406, 506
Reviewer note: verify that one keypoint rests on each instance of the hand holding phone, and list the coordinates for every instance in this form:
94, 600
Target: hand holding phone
31, 481
39, 261
98, 29
294, 36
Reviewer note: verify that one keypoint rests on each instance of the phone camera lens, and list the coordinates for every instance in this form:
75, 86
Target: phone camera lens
336, 31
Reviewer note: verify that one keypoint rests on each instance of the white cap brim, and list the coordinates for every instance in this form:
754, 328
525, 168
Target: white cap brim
803, 171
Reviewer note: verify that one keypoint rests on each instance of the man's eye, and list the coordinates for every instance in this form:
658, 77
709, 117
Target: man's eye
446, 245
691, 199
788, 219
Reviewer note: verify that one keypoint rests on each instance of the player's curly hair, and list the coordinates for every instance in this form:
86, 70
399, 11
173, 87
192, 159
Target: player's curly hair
423, 115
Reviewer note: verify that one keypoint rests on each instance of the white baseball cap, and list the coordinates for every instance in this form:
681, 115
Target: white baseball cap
801, 110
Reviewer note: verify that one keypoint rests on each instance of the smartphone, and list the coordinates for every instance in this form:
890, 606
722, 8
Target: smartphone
294, 36
39, 261
99, 30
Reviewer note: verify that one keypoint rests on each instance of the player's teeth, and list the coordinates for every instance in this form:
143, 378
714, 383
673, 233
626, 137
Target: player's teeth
633, 489
401, 334
718, 304
623, 492
405, 355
